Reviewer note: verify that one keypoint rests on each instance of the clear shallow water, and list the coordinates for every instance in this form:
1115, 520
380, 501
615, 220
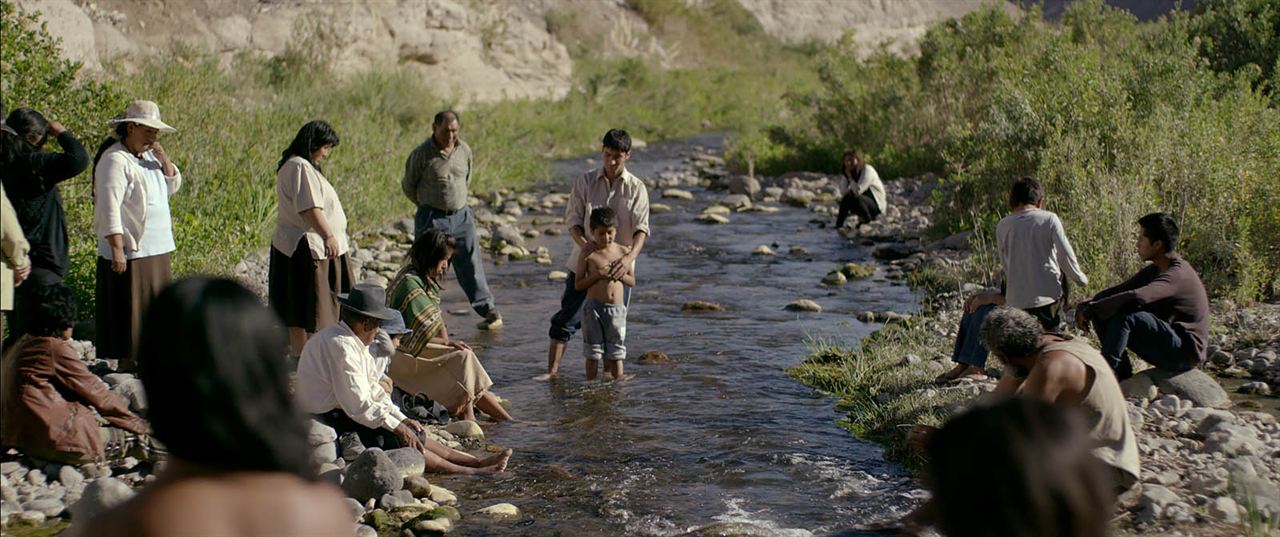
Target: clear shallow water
721, 434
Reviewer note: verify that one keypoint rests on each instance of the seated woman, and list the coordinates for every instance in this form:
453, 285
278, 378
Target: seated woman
239, 462
427, 361
48, 395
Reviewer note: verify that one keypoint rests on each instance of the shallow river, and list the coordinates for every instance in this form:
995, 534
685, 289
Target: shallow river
719, 435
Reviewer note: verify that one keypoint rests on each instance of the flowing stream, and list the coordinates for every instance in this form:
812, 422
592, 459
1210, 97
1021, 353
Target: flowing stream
721, 435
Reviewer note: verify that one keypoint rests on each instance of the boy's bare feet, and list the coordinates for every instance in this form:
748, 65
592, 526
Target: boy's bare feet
545, 376
496, 463
958, 372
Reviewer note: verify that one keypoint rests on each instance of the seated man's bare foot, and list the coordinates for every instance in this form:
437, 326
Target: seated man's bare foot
496, 463
971, 373
951, 374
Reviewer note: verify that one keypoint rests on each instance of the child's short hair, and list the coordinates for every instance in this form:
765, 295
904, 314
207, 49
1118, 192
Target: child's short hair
617, 140
603, 217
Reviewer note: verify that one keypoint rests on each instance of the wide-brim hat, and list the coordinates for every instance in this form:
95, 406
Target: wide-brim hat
368, 300
143, 113
395, 325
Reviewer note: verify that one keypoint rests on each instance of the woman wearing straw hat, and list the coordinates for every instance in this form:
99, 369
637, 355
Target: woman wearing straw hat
309, 267
133, 179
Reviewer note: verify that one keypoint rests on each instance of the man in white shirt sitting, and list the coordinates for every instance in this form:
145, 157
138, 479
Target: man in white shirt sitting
1036, 254
338, 384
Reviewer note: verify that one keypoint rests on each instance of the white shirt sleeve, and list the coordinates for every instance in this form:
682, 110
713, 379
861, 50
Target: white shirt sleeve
1066, 255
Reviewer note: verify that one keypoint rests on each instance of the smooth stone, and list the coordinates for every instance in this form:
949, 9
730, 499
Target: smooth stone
736, 201
655, 357
357, 508
835, 278
32, 518
465, 429
711, 218
410, 461
656, 208
558, 276
392, 500
371, 475
701, 305
676, 193
1224, 509
69, 476
438, 525
100, 495
763, 250
51, 507
132, 390
1255, 388
893, 251
1140, 387
500, 511
418, 485
366, 531
857, 271
804, 305
1194, 385
442, 495
717, 209
745, 185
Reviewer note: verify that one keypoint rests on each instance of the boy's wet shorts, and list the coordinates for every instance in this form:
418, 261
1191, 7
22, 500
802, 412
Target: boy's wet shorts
604, 330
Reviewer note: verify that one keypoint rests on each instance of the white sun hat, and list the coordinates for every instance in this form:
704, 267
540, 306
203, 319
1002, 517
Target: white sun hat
143, 113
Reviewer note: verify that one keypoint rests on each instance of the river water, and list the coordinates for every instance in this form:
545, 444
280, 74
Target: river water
719, 435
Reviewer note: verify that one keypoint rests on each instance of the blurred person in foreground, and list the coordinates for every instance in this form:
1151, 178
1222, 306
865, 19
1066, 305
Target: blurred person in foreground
239, 462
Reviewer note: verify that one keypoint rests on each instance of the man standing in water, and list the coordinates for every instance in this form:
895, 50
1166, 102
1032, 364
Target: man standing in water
436, 178
609, 186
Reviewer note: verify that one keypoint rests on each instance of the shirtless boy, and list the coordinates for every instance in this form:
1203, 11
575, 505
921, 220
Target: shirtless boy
604, 313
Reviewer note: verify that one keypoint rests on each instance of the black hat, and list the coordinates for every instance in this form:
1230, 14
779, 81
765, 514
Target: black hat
368, 300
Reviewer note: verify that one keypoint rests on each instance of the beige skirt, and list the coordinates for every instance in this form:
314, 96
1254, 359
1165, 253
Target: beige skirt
449, 376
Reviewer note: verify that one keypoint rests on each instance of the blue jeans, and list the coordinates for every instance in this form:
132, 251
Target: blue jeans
969, 349
1147, 336
569, 319
467, 262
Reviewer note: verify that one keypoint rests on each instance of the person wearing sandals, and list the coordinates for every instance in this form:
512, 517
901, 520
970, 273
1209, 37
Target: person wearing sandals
238, 460
48, 398
338, 384
427, 361
1037, 259
309, 265
133, 179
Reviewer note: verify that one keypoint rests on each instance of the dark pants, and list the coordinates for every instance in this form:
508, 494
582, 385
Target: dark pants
861, 205
342, 424
569, 319
467, 262
38, 279
1147, 336
969, 349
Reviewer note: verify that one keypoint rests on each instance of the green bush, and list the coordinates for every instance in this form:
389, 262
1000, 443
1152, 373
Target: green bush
1116, 117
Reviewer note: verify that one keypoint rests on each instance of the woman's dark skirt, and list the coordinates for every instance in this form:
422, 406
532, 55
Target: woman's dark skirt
121, 301
304, 290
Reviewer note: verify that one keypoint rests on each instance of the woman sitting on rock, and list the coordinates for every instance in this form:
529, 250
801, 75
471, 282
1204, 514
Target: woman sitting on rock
427, 361
48, 397
239, 462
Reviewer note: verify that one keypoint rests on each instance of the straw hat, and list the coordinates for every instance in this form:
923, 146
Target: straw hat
143, 113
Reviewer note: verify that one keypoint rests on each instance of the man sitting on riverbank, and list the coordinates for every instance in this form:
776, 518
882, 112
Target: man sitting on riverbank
338, 382
1035, 252
1161, 313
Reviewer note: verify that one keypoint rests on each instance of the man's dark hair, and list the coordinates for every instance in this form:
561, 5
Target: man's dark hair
446, 116
617, 140
48, 310
1011, 333
430, 248
1029, 457
1026, 191
1160, 227
311, 137
603, 217
211, 358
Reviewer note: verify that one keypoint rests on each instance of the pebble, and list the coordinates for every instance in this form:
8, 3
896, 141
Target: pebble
835, 278
676, 193
69, 476
371, 475
442, 495
763, 250
100, 495
500, 511
418, 486
804, 305
712, 218
656, 208
1224, 509
557, 276
465, 429
440, 525
701, 305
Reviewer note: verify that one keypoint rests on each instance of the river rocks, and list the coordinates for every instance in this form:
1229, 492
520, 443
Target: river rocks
700, 305
857, 271
711, 218
499, 511
366, 531
736, 201
392, 500
763, 250
418, 486
433, 526
1140, 387
442, 495
507, 234
1224, 509
797, 197
557, 276
1255, 388
465, 429
655, 357
371, 475
131, 388
893, 251
70, 477
408, 460
835, 277
804, 305
744, 185
99, 496
675, 193
658, 208
717, 209
1193, 385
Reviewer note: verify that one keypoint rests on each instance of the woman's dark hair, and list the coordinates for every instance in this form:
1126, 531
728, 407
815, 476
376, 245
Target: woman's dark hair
617, 140
211, 358
118, 133
49, 310
1160, 227
429, 249
25, 122
1028, 457
312, 136
1026, 191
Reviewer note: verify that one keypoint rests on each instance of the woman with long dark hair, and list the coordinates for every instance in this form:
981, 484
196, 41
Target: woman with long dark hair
239, 462
309, 267
133, 179
427, 361
30, 176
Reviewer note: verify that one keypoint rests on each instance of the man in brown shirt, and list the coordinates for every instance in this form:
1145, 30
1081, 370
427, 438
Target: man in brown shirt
1161, 313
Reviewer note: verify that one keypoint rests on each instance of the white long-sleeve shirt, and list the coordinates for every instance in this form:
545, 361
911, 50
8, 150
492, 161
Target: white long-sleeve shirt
1035, 251
337, 371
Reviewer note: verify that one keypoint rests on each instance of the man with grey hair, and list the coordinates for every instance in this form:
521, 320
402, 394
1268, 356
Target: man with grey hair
1065, 370
437, 175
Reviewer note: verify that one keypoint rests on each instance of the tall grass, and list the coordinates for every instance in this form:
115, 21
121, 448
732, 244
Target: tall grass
233, 122
1116, 117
